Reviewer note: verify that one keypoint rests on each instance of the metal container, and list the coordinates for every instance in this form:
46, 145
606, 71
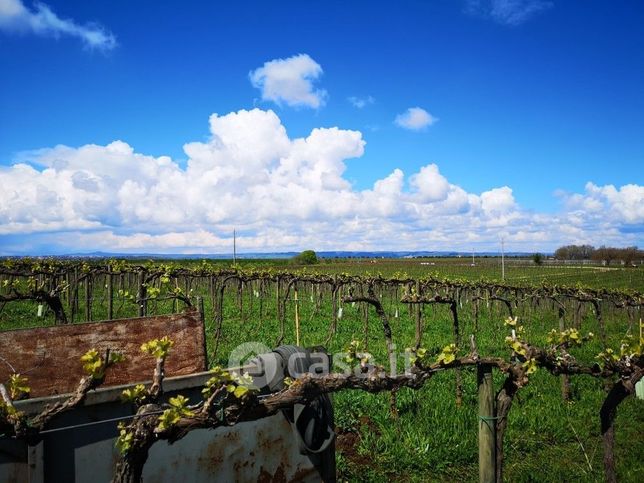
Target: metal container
78, 446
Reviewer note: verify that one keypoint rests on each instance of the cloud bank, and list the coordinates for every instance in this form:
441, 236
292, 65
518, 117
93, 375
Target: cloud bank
279, 193
16, 17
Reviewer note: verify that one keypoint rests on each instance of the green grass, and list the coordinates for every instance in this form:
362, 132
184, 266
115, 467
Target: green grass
517, 270
433, 439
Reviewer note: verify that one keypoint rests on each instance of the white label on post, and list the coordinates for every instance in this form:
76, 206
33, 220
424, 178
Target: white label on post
40, 308
639, 389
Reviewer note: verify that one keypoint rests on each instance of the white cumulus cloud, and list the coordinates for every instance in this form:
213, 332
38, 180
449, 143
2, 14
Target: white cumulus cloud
279, 193
15, 16
290, 81
430, 184
498, 200
622, 205
415, 119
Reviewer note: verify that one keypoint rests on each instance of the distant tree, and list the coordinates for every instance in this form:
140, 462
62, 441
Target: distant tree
585, 252
606, 254
574, 252
307, 257
630, 255
562, 253
537, 258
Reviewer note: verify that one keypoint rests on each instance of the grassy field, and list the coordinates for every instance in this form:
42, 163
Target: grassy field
517, 270
433, 439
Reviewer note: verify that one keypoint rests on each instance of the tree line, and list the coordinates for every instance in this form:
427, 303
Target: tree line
628, 255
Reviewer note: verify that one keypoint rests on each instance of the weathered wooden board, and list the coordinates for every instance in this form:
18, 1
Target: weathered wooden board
50, 356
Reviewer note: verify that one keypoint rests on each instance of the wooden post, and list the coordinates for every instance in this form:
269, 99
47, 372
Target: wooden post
419, 327
68, 290
251, 295
110, 295
565, 378
476, 314
297, 320
174, 300
88, 309
487, 425
74, 308
457, 341
365, 318
277, 299
202, 310
240, 302
142, 294
600, 321
202, 316
334, 307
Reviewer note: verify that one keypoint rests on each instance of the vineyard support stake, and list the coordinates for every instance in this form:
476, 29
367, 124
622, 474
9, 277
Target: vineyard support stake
297, 320
487, 425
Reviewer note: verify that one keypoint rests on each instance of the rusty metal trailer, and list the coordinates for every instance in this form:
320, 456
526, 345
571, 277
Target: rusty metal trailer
79, 446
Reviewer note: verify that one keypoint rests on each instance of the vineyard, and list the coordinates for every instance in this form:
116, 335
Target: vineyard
543, 369
517, 271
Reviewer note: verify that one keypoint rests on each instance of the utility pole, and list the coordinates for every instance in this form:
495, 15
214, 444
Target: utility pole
502, 258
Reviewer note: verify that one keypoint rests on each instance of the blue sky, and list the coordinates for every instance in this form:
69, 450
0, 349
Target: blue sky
526, 122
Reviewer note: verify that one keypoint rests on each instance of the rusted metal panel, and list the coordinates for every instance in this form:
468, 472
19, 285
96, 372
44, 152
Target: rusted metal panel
79, 447
262, 451
50, 356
